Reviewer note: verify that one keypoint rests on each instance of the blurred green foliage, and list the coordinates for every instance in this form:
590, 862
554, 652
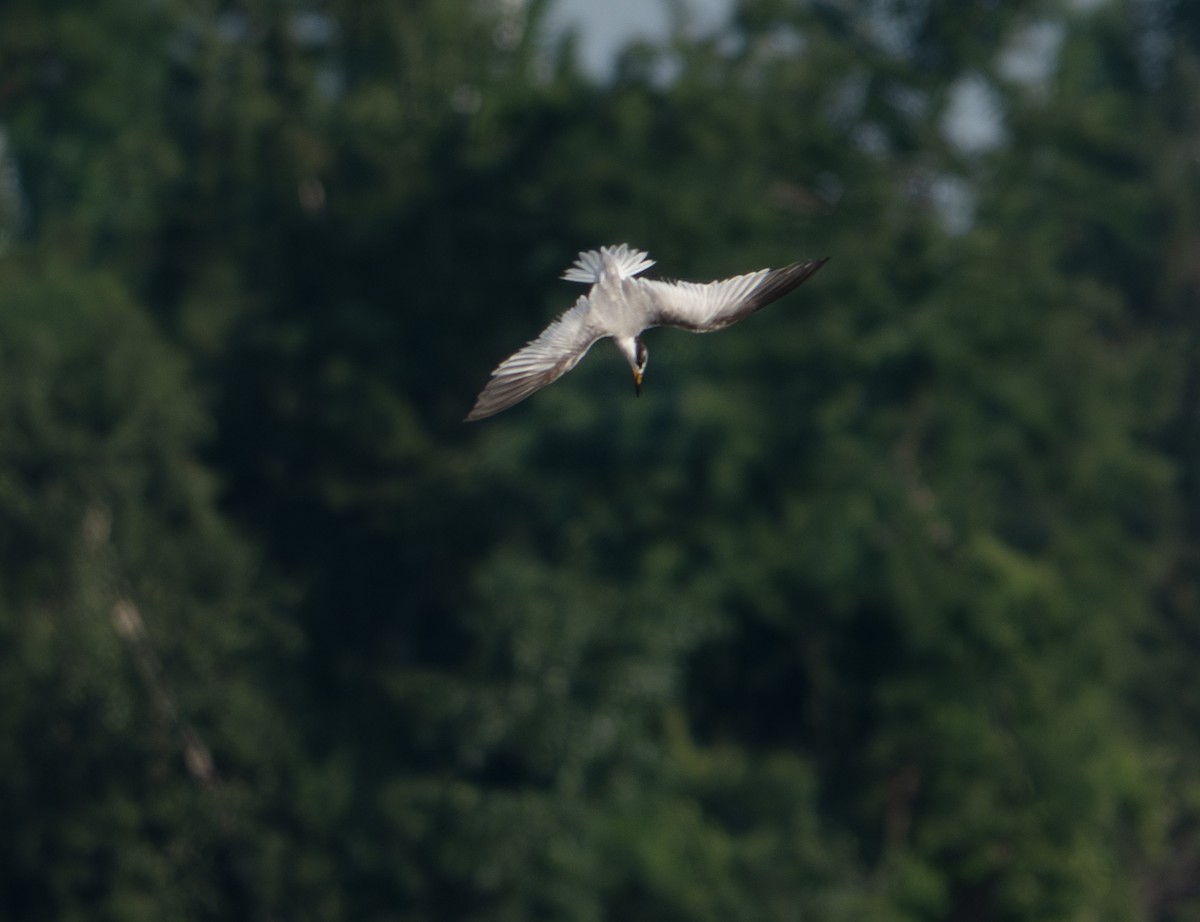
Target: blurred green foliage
882, 605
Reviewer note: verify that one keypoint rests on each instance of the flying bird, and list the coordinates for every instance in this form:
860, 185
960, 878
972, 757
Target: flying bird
621, 306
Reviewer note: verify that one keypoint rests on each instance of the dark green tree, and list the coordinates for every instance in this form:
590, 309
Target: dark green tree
133, 709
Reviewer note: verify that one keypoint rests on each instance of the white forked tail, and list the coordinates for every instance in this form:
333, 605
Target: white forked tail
590, 264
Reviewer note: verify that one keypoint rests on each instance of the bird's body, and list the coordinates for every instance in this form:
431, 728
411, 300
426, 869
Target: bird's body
621, 305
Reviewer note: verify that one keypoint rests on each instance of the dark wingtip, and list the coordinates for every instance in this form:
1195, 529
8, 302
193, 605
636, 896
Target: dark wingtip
808, 267
781, 281
476, 415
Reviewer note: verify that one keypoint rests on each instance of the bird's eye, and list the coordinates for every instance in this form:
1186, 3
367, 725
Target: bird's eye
641, 355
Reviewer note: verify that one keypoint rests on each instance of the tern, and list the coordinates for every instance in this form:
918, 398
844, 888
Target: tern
620, 305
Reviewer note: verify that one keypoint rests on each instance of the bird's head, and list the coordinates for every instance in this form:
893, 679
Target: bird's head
639, 368
636, 354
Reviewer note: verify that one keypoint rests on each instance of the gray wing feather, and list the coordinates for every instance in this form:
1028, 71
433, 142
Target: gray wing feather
540, 362
702, 308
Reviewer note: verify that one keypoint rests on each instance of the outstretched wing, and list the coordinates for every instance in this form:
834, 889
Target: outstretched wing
540, 362
702, 308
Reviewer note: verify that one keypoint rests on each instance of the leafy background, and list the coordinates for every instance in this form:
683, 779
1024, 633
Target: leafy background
884, 604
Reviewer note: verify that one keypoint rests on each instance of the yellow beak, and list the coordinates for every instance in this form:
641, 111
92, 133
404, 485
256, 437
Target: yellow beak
637, 383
